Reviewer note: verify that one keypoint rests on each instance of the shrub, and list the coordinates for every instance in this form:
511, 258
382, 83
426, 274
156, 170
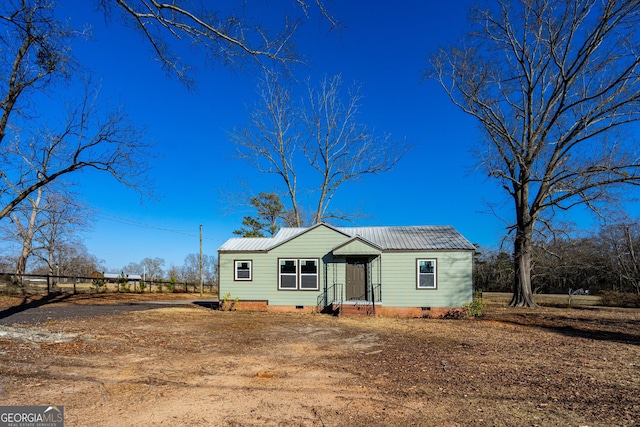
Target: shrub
619, 299
475, 307
100, 285
229, 303
171, 286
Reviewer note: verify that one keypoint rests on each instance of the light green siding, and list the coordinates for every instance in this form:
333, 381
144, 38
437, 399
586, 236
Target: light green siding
357, 247
314, 244
399, 279
396, 271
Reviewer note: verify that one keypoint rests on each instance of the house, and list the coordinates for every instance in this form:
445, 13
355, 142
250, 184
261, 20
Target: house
415, 271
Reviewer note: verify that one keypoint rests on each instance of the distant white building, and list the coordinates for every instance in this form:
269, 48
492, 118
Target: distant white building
113, 277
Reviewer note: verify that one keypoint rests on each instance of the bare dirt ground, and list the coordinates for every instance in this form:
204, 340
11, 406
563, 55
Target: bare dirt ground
190, 365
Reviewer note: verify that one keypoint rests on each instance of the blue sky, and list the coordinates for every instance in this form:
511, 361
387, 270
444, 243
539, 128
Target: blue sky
383, 47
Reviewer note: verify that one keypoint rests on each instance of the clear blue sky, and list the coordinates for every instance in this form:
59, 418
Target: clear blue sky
383, 47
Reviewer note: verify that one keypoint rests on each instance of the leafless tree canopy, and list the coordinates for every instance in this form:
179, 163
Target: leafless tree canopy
322, 137
229, 32
553, 84
88, 139
34, 46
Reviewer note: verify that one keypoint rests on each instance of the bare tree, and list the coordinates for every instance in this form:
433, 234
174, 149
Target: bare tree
89, 139
35, 56
332, 142
72, 259
272, 138
62, 218
42, 223
132, 268
25, 223
551, 83
34, 53
190, 270
622, 241
231, 35
174, 272
210, 270
340, 147
152, 268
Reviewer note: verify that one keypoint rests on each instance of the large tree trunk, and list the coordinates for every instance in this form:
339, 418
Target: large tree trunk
522, 295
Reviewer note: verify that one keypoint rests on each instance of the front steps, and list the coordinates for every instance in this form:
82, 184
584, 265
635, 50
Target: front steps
357, 309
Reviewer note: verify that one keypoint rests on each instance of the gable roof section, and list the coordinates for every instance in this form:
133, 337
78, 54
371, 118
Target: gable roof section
431, 237
357, 246
263, 244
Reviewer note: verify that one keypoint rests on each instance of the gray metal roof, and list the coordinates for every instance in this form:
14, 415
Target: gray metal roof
412, 237
428, 237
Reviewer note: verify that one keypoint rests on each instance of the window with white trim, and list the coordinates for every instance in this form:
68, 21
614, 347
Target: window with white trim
298, 274
243, 270
288, 273
427, 274
309, 274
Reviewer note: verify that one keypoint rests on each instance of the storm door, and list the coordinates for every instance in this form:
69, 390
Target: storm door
356, 287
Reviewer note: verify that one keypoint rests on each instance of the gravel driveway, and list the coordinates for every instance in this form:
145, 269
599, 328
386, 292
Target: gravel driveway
43, 313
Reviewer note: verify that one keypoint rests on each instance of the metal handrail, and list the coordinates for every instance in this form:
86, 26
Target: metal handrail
333, 296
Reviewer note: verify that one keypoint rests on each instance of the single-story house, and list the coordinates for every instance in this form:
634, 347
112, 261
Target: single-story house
414, 271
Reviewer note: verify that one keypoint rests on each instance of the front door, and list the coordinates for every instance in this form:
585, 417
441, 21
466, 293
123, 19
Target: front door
356, 288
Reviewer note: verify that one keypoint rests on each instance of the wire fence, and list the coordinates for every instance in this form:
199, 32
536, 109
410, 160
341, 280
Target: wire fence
11, 283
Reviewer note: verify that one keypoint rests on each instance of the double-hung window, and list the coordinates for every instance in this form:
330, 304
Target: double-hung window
288, 272
298, 274
309, 274
427, 277
243, 270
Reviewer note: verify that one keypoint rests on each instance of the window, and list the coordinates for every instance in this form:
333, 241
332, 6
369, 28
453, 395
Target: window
427, 274
298, 274
242, 270
288, 274
309, 274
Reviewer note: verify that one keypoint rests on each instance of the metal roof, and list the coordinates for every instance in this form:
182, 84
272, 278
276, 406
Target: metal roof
427, 237
412, 237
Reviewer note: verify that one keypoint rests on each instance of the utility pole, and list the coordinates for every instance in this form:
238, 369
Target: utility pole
201, 281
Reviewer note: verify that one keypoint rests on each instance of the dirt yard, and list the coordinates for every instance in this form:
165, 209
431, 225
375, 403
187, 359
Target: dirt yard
192, 366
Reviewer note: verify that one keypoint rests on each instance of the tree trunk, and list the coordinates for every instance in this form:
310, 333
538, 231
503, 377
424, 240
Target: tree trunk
522, 295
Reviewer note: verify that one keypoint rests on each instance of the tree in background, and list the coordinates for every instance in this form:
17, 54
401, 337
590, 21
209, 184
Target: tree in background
270, 215
552, 85
43, 225
132, 268
190, 270
494, 272
323, 136
35, 56
61, 224
152, 268
621, 243
72, 259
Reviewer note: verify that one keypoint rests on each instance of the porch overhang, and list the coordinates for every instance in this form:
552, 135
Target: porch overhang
357, 246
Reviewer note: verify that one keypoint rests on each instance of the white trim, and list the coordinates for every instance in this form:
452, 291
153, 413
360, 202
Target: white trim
316, 274
281, 262
236, 264
433, 273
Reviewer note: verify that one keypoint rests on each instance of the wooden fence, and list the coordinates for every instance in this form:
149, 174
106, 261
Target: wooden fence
11, 283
